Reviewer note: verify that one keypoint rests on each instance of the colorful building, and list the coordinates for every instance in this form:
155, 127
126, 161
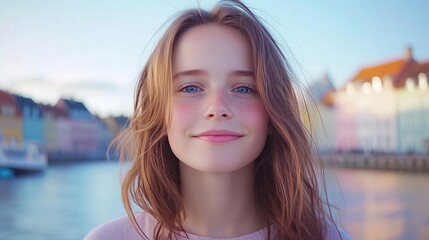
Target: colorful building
116, 124
346, 120
32, 121
384, 108
318, 115
10, 120
366, 116
66, 131
79, 131
104, 138
54, 137
413, 111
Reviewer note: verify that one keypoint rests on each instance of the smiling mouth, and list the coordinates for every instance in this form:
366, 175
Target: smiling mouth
218, 136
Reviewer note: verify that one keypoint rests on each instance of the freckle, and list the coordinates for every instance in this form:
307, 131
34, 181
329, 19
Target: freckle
188, 107
249, 107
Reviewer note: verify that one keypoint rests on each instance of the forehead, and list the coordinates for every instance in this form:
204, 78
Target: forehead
212, 47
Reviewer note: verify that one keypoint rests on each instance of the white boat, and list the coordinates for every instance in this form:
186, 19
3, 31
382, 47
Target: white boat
22, 158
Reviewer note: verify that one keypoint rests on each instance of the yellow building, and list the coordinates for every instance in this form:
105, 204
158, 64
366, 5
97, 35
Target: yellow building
10, 120
318, 115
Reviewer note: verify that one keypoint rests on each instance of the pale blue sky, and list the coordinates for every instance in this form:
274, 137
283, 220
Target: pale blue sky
94, 50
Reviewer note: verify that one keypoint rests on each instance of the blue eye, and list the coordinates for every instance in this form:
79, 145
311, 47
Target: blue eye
190, 88
243, 89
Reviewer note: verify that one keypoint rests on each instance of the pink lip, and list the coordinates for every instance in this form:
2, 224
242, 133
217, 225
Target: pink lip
218, 136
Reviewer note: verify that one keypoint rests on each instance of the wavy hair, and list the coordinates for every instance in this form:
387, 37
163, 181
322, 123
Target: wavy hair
285, 171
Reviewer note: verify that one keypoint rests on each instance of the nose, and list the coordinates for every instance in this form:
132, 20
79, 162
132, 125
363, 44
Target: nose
217, 107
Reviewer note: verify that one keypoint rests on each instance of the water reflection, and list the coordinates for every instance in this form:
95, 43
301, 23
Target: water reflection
385, 205
63, 203
67, 201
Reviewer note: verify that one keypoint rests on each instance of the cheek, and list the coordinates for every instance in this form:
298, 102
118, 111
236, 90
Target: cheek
254, 113
188, 107
254, 109
182, 113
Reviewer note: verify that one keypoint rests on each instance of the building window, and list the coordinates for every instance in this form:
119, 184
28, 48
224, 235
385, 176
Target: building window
26, 111
423, 81
35, 113
409, 84
376, 84
7, 110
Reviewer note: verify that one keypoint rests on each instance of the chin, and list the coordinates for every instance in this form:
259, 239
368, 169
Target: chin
218, 166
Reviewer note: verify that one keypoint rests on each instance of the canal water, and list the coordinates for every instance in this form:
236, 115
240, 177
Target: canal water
66, 201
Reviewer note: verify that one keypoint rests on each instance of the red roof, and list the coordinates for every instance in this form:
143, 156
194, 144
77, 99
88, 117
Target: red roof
56, 112
7, 98
397, 70
329, 98
392, 69
387, 69
59, 112
414, 70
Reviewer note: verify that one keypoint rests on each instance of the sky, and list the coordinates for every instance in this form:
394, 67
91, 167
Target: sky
93, 51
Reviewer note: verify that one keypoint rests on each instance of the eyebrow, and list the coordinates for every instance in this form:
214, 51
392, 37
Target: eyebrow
195, 72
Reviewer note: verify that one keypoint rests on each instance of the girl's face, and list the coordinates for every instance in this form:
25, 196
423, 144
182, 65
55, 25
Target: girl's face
218, 121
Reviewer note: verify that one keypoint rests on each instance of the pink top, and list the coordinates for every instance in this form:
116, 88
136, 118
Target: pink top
122, 228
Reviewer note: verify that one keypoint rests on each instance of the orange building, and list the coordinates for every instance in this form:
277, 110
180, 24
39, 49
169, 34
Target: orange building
116, 124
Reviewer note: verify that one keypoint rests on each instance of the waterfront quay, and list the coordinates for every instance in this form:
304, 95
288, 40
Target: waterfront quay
418, 163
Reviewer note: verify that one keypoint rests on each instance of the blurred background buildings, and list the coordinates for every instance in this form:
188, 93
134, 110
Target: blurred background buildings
65, 131
383, 108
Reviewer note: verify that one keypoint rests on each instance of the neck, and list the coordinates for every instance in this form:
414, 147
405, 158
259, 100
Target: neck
220, 204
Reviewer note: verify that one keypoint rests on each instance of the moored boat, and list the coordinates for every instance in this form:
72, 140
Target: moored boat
22, 158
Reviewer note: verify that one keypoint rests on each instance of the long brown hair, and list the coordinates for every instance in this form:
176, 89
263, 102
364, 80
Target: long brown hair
286, 185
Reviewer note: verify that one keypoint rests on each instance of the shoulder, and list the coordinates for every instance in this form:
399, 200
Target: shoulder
122, 228
336, 233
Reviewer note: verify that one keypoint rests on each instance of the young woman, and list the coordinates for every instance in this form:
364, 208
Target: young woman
217, 145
